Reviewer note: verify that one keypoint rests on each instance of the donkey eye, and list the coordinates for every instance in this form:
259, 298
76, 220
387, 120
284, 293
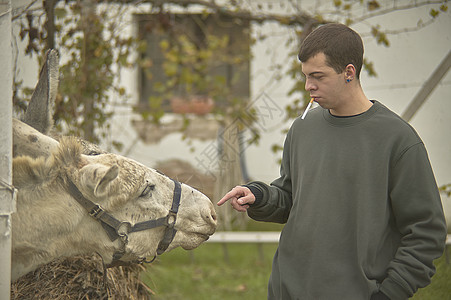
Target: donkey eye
147, 190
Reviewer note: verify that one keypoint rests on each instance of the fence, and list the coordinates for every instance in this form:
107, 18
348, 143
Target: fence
257, 237
261, 237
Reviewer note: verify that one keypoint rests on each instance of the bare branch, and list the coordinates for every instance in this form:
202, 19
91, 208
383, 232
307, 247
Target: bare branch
419, 26
381, 12
25, 10
297, 19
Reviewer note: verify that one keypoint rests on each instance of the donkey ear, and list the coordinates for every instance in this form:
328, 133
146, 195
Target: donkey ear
102, 184
97, 177
39, 114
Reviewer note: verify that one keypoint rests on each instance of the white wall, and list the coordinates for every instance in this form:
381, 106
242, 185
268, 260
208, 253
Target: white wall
409, 61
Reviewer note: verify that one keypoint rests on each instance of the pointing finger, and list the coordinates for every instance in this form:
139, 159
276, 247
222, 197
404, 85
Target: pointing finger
227, 197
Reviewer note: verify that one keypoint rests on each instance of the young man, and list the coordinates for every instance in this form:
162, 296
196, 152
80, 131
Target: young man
356, 190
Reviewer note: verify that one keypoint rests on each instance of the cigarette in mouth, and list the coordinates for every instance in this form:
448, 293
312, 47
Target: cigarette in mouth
306, 109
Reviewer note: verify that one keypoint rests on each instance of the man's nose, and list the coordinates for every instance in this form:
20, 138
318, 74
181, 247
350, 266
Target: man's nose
309, 86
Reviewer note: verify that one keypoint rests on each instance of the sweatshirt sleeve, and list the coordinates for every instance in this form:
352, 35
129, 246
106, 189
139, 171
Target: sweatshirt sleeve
419, 218
273, 202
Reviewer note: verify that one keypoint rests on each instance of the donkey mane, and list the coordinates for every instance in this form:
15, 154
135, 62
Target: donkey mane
32, 172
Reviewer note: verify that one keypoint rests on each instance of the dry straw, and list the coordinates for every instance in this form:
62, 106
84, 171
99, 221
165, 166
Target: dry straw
81, 277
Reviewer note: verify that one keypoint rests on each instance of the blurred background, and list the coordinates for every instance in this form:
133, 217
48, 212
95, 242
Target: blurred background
205, 91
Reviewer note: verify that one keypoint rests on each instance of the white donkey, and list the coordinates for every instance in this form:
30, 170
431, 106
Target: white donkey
69, 203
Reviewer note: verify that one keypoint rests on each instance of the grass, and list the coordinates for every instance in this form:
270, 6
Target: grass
440, 287
205, 274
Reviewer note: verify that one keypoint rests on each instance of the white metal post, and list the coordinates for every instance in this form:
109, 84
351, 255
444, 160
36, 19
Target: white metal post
7, 204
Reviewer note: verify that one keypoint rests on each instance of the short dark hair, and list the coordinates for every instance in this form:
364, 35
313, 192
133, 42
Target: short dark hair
340, 44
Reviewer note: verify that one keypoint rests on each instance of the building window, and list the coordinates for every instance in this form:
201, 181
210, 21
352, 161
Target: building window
193, 62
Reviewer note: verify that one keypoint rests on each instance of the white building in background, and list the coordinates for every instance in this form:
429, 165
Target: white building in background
402, 69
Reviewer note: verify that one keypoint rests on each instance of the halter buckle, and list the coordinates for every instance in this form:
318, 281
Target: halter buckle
96, 211
123, 230
171, 219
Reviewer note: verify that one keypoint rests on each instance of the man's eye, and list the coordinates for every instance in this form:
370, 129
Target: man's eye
147, 190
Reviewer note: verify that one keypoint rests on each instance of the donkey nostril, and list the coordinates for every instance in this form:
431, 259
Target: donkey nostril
213, 216
210, 217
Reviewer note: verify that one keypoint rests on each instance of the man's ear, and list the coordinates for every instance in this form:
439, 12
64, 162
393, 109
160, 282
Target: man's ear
349, 72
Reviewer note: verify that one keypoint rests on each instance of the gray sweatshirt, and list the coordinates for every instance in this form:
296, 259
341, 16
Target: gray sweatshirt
361, 207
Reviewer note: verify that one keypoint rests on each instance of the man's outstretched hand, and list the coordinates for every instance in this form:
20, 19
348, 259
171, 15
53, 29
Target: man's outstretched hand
240, 198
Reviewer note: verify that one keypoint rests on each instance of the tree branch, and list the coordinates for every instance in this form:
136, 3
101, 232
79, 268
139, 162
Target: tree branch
381, 12
298, 19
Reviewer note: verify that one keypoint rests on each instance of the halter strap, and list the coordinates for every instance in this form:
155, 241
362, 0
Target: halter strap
116, 229
170, 231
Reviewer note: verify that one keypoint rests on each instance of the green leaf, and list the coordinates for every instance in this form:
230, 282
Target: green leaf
433, 13
369, 67
60, 13
373, 5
